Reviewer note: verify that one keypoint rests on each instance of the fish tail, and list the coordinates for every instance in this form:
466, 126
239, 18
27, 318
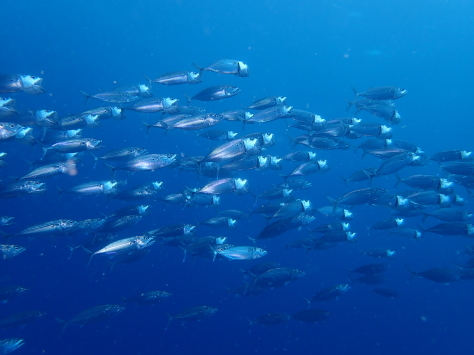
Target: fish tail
189, 98
425, 216
345, 180
147, 78
201, 69
111, 168
349, 104
63, 323
90, 257
399, 179
87, 96
170, 318
148, 126
214, 251
334, 203
355, 91
413, 273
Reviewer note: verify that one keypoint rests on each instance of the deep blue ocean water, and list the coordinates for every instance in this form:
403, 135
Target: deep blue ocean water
310, 51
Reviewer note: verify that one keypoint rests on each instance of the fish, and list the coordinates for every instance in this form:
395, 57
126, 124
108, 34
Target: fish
51, 228
113, 97
27, 187
8, 251
214, 93
396, 163
146, 162
338, 236
387, 292
9, 130
380, 253
359, 197
270, 114
142, 191
325, 228
330, 293
8, 293
311, 315
193, 314
123, 154
382, 93
241, 253
74, 145
336, 212
452, 228
124, 246
205, 120
153, 105
449, 214
11, 344
235, 214
223, 186
277, 277
219, 222
270, 319
267, 102
30, 84
388, 224
91, 315
218, 135
437, 275
104, 187
369, 279
370, 269
425, 182
451, 155
148, 298
20, 319
227, 66
308, 168
179, 78
281, 226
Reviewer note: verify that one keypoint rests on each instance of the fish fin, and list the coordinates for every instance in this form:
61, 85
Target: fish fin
355, 91
309, 301
252, 239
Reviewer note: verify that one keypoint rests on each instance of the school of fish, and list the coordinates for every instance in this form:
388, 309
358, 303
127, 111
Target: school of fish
68, 149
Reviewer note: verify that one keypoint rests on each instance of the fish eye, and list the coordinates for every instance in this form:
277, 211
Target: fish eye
12, 125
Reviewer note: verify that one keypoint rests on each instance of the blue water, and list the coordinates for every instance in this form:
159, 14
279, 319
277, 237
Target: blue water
310, 51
